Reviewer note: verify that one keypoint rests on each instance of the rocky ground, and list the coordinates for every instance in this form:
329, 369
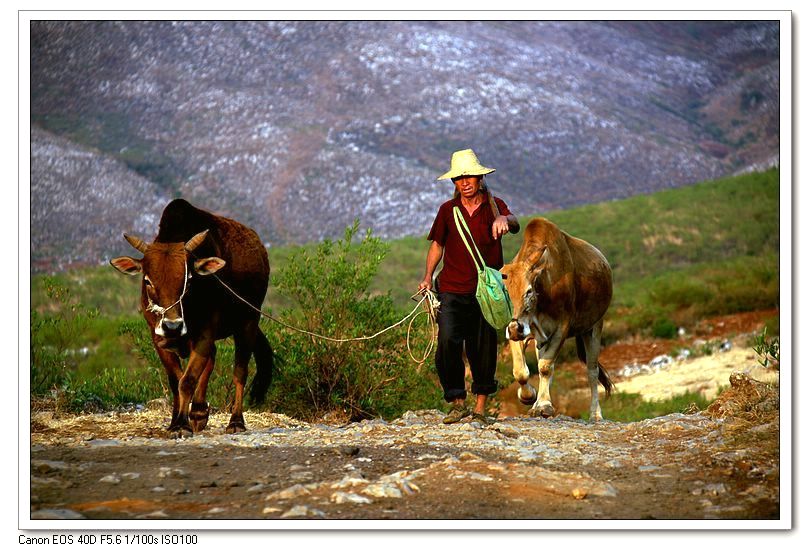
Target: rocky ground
718, 463
721, 463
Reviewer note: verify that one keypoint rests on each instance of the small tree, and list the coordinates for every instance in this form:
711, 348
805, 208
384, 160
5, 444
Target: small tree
329, 286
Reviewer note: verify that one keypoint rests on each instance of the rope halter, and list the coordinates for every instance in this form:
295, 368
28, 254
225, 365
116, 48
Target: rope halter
161, 311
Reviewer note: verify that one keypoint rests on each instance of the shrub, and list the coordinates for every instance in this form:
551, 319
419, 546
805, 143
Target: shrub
55, 337
354, 380
664, 328
767, 349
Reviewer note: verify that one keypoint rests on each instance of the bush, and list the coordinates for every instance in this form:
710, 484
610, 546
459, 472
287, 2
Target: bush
55, 336
664, 328
767, 349
352, 380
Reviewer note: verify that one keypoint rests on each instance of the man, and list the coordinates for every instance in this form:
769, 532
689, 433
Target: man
462, 327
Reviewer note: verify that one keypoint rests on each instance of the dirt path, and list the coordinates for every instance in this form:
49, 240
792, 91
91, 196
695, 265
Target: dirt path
721, 463
698, 466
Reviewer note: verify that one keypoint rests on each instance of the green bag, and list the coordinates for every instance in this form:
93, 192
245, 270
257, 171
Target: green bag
491, 292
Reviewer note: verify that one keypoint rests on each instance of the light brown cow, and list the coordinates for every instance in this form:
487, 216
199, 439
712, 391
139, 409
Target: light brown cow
560, 287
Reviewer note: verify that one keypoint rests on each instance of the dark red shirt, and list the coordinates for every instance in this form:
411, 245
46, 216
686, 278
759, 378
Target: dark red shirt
459, 274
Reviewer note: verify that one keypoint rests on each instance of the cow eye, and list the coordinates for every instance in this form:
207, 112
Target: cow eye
147, 281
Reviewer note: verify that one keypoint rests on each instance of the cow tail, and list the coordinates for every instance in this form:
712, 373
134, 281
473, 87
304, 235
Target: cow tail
263, 353
604, 377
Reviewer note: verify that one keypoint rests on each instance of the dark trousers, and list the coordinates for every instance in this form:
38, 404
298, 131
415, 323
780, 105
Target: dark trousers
462, 328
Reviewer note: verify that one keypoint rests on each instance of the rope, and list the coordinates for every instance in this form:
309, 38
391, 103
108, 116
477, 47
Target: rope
428, 298
431, 310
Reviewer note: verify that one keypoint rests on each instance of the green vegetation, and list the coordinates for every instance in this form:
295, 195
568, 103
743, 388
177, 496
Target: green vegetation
113, 134
358, 380
677, 256
767, 349
631, 407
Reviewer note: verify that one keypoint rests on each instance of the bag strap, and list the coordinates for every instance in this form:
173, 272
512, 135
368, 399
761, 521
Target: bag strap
459, 219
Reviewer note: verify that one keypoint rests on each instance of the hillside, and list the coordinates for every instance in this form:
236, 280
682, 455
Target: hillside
297, 128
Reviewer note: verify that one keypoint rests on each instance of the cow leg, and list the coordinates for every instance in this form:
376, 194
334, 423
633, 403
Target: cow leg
197, 363
243, 349
546, 356
198, 417
593, 343
171, 362
526, 392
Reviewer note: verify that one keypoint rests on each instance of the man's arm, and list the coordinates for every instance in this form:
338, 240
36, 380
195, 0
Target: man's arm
434, 256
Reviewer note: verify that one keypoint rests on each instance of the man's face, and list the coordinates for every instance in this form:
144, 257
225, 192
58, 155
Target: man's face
468, 186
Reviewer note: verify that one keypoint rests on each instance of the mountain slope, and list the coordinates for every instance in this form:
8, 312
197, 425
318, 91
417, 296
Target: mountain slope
297, 128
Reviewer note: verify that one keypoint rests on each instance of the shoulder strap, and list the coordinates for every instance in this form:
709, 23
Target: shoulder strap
459, 219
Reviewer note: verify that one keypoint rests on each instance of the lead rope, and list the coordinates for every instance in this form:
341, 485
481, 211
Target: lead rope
431, 306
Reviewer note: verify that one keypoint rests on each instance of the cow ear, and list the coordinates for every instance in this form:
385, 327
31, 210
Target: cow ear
207, 266
127, 265
537, 258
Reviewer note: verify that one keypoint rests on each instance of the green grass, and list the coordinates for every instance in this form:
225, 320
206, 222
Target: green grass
631, 407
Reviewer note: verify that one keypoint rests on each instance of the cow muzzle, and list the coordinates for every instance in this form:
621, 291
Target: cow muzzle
517, 331
171, 328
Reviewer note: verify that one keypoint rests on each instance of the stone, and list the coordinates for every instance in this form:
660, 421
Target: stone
349, 450
301, 511
112, 478
157, 514
579, 493
172, 473
467, 456
351, 498
56, 513
349, 481
382, 490
48, 466
481, 477
290, 492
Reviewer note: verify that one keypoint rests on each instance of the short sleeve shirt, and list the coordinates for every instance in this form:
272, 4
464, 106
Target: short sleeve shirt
459, 274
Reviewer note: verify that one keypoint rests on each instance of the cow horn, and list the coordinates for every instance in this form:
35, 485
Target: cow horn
136, 243
196, 240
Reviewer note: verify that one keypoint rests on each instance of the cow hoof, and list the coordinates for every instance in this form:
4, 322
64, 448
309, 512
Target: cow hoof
235, 428
545, 410
236, 425
180, 432
198, 417
527, 394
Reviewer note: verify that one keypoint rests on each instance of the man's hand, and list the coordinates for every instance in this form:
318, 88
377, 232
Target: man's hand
499, 227
426, 284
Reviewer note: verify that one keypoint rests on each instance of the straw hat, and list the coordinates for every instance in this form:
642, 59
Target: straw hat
465, 163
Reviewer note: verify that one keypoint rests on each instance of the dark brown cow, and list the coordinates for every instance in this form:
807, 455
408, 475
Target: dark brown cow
187, 309
560, 287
